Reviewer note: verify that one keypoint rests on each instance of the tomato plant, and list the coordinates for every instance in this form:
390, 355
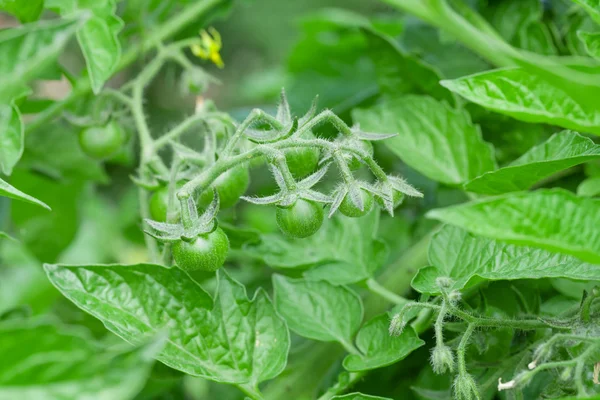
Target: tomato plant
174, 224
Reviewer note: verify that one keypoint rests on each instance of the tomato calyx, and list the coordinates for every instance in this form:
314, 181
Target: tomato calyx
191, 226
303, 190
391, 193
353, 199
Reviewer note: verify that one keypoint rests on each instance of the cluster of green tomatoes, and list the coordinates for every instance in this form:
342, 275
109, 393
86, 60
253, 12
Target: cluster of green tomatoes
208, 249
301, 219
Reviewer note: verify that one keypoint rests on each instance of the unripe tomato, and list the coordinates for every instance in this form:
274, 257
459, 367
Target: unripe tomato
398, 199
206, 253
349, 209
159, 202
367, 147
101, 142
301, 219
230, 185
302, 160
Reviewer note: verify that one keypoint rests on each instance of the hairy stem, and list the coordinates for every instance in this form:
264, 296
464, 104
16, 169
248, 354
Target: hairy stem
461, 350
481, 39
585, 313
523, 324
439, 325
208, 176
343, 167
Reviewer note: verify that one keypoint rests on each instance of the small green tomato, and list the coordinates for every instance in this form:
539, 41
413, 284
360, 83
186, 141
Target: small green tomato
349, 209
301, 219
207, 252
230, 185
366, 147
102, 142
398, 199
159, 202
302, 161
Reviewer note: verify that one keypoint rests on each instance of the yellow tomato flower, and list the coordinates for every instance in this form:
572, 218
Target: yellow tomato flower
209, 47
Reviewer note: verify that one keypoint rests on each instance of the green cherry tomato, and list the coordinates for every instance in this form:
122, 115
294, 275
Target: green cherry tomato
398, 199
101, 142
302, 161
206, 253
349, 209
367, 147
159, 202
301, 219
230, 185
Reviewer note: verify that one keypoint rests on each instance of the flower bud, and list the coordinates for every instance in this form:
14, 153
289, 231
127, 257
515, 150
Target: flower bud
444, 282
506, 385
465, 387
442, 359
454, 297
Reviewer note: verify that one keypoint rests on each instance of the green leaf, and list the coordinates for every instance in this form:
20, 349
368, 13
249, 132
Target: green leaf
527, 97
27, 51
14, 193
338, 69
22, 281
467, 259
589, 187
317, 309
4, 235
55, 151
591, 41
436, 140
24, 10
49, 361
563, 150
450, 57
101, 48
554, 219
592, 7
521, 24
358, 396
399, 72
97, 37
379, 348
258, 337
238, 341
11, 137
343, 251
45, 234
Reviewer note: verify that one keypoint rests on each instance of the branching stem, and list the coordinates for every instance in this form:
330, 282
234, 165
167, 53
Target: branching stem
461, 350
